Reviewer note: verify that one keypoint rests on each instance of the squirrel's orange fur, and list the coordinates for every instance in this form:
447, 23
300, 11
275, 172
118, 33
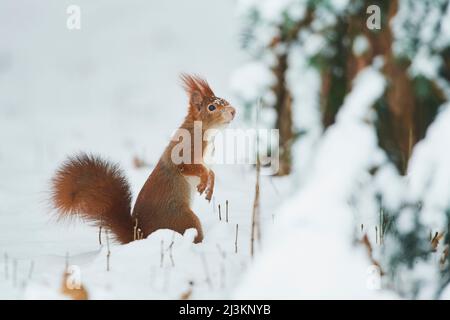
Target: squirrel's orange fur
93, 189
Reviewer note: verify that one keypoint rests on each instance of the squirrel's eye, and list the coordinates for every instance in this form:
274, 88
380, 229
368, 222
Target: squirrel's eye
211, 107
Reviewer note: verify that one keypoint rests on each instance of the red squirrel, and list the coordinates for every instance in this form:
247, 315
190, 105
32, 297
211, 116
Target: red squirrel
91, 188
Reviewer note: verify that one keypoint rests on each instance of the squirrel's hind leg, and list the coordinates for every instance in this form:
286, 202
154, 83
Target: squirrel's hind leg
188, 220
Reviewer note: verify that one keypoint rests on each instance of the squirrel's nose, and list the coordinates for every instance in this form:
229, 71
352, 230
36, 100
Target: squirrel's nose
232, 111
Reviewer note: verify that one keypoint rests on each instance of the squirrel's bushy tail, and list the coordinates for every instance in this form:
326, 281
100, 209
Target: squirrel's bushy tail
95, 190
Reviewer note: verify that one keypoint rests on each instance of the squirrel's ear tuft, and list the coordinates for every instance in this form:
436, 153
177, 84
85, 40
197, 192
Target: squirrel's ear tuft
197, 89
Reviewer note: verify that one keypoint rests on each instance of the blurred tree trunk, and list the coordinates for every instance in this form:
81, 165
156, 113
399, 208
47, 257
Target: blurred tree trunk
400, 96
406, 114
283, 121
283, 103
335, 82
403, 113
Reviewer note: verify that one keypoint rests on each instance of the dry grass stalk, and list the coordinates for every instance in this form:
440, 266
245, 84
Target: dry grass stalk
226, 211
100, 235
170, 250
100, 227
162, 254
365, 241
236, 239
135, 229
255, 234
108, 255
435, 240
444, 256
376, 234
139, 234
256, 228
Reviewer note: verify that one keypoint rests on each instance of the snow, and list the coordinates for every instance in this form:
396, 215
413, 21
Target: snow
339, 5
313, 44
429, 173
419, 35
305, 105
425, 64
390, 186
308, 253
251, 82
156, 268
445, 28
420, 200
369, 87
360, 45
272, 11
405, 221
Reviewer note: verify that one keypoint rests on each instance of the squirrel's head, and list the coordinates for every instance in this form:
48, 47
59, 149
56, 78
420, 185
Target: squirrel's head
204, 106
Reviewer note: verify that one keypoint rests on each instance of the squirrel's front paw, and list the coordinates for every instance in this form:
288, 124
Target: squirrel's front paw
209, 193
201, 187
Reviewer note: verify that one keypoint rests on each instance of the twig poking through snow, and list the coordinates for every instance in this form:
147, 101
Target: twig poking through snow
438, 236
376, 234
365, 241
135, 236
100, 235
226, 211
170, 250
236, 239
108, 255
256, 228
162, 254
220, 214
